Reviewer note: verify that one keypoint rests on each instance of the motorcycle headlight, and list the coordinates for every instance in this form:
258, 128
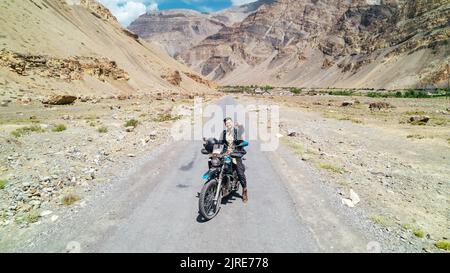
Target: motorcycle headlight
215, 162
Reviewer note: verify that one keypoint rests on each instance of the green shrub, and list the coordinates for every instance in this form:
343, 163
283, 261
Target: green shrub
32, 217
27, 130
132, 123
69, 199
267, 88
295, 90
443, 244
102, 130
341, 93
166, 117
59, 128
419, 233
3, 184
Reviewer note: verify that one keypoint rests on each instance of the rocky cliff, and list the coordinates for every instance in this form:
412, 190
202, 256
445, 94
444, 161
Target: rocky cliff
324, 43
180, 29
175, 30
77, 47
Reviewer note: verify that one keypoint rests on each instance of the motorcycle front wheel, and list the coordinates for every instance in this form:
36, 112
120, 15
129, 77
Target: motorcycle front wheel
209, 208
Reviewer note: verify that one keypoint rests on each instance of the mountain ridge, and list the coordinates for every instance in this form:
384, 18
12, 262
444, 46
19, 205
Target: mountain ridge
323, 43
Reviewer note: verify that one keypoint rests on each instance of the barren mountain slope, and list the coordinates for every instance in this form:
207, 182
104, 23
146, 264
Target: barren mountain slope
178, 30
327, 43
77, 47
175, 30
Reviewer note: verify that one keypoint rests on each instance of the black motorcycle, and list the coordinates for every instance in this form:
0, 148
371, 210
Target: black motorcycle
221, 179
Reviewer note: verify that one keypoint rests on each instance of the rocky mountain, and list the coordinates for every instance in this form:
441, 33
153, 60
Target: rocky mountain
175, 30
180, 29
77, 47
324, 43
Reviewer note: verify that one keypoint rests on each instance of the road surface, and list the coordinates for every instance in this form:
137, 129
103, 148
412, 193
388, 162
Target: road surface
155, 209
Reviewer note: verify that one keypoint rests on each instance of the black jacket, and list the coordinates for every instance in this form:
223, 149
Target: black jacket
237, 140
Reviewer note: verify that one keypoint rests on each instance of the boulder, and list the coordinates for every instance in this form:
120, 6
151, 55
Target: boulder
347, 103
60, 100
292, 133
419, 119
380, 105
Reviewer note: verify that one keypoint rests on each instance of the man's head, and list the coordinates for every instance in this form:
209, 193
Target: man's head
228, 123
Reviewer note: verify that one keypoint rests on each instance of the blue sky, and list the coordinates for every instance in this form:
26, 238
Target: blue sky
128, 10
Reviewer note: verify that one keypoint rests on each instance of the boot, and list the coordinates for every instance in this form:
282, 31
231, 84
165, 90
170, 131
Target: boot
244, 195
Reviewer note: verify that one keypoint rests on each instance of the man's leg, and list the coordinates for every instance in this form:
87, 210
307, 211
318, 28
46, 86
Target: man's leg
240, 169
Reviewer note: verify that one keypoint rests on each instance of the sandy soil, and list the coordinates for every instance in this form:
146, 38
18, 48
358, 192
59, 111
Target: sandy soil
41, 168
400, 171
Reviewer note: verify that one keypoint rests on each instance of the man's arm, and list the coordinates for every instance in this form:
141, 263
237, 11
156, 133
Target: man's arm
222, 140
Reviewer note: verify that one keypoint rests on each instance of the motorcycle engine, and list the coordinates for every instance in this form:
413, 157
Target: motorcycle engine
228, 168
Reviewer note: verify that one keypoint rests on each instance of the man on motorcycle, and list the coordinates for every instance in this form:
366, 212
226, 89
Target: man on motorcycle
231, 139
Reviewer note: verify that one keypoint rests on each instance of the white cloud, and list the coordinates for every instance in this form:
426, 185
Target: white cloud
127, 11
152, 7
241, 2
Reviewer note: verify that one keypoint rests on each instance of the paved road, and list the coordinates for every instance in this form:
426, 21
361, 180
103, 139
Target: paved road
167, 218
155, 209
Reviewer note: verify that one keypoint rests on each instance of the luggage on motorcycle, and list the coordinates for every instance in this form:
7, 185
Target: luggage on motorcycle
238, 154
209, 145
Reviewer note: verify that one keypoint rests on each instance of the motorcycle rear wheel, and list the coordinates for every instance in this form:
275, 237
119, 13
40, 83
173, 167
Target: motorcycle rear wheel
206, 205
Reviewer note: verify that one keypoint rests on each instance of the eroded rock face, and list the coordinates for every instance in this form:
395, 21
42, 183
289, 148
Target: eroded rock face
180, 29
330, 39
99, 10
175, 30
173, 78
60, 100
66, 69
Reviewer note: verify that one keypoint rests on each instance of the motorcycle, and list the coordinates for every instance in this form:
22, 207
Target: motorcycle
221, 179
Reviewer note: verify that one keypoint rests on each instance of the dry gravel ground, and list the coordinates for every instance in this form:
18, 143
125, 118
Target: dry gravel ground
45, 172
400, 171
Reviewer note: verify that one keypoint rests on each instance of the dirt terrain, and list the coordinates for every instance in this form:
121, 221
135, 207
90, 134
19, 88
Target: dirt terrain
51, 156
399, 170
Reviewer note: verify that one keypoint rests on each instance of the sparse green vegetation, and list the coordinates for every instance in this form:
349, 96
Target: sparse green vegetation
238, 89
32, 216
166, 117
415, 113
296, 91
267, 88
419, 233
132, 123
341, 93
340, 116
408, 94
90, 117
26, 130
439, 121
418, 123
416, 136
407, 226
28, 218
380, 220
70, 198
59, 128
443, 244
397, 94
102, 130
331, 168
3, 183
296, 148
